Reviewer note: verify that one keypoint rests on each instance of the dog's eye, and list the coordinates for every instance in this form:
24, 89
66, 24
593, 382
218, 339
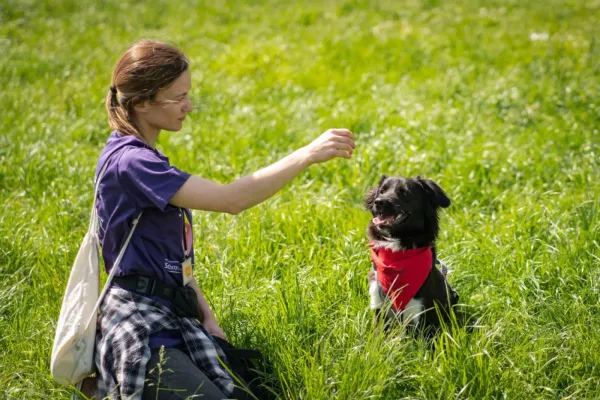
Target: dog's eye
382, 189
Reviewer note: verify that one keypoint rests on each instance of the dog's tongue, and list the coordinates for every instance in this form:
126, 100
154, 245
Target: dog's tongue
383, 220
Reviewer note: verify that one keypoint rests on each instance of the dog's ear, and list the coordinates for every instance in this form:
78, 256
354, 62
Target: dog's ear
435, 192
382, 179
372, 194
370, 198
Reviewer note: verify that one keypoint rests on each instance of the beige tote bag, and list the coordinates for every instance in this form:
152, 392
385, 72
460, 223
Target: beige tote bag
73, 350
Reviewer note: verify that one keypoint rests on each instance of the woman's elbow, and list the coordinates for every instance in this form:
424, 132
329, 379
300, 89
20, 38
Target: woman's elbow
234, 211
233, 208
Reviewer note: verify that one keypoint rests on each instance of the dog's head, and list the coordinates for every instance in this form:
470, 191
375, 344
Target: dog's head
405, 211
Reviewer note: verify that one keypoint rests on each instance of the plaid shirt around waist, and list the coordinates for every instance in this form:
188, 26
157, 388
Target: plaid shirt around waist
126, 322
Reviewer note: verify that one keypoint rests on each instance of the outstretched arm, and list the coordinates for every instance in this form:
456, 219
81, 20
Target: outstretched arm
202, 194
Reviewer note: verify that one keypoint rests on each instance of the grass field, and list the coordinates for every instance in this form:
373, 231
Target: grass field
498, 101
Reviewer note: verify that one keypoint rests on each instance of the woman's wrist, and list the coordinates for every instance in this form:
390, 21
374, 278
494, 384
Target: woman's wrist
305, 158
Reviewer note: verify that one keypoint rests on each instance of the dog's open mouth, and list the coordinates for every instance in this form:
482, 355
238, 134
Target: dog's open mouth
383, 220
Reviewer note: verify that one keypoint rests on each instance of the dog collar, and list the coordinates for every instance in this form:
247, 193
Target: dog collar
402, 273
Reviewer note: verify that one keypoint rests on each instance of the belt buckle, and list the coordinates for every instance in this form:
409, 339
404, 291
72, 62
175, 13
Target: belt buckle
144, 285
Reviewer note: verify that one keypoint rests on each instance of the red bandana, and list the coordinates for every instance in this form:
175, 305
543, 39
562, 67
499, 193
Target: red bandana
402, 273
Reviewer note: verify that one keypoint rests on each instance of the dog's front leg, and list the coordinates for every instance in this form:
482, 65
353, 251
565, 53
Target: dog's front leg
377, 302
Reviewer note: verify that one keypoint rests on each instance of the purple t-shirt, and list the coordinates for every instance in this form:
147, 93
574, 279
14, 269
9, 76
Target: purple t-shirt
139, 178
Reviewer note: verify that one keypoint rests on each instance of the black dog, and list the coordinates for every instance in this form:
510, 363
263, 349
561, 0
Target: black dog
402, 237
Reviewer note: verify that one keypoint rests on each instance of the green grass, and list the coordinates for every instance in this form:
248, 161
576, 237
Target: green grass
495, 100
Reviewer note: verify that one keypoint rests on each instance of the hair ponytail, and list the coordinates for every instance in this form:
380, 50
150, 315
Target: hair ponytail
119, 118
145, 68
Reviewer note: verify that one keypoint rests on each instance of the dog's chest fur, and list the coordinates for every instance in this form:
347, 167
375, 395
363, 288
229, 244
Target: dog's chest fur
380, 301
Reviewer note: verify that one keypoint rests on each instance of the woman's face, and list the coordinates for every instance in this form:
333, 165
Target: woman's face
171, 105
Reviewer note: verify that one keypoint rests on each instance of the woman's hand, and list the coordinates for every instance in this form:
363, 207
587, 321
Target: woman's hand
213, 328
332, 143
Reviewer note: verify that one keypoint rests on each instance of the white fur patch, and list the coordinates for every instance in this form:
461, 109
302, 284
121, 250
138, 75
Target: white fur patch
391, 244
410, 315
413, 311
377, 300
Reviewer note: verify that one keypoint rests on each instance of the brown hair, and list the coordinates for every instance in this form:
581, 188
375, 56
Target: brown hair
145, 68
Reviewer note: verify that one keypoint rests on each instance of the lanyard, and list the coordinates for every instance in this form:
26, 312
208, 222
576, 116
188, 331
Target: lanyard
186, 243
187, 240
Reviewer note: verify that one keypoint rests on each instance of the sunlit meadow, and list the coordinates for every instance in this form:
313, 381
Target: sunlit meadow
495, 100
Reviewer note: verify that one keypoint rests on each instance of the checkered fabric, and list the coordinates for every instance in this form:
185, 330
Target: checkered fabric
125, 324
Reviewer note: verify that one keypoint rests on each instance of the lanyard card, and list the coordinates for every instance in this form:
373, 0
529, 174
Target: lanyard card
186, 270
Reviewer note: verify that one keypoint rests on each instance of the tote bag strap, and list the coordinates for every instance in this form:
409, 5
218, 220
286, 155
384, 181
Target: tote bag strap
114, 269
93, 229
93, 225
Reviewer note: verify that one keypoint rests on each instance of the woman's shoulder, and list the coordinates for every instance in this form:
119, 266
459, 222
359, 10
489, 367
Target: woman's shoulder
128, 147
122, 148
133, 156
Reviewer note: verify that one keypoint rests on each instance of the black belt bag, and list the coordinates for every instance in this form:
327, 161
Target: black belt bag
185, 303
183, 298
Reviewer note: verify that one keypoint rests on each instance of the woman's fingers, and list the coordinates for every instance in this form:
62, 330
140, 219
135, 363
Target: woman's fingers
332, 143
343, 139
343, 146
342, 143
343, 154
342, 132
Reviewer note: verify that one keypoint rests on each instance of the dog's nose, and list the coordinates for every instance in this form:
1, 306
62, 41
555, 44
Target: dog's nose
379, 203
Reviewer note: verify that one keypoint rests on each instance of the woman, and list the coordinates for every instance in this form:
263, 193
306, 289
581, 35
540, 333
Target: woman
155, 301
